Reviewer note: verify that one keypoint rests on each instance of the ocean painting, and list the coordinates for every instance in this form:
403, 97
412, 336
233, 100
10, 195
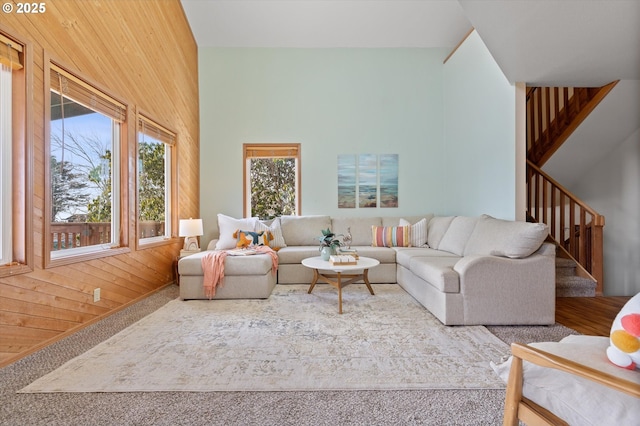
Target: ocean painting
346, 181
367, 180
388, 180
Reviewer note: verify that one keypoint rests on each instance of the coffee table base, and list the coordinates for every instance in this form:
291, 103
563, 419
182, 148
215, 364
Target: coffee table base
335, 280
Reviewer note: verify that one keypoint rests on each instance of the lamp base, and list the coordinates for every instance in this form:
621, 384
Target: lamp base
191, 244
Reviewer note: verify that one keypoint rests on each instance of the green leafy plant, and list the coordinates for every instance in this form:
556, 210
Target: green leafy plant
329, 239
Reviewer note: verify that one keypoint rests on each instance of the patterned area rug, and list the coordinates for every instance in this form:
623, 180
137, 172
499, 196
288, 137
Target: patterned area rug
291, 341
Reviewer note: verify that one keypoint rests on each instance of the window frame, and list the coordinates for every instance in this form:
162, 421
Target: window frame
21, 244
119, 244
171, 219
269, 150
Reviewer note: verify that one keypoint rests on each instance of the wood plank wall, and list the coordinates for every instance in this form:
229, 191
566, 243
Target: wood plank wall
142, 52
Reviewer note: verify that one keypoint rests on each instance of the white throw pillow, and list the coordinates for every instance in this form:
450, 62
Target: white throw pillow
275, 229
418, 232
228, 225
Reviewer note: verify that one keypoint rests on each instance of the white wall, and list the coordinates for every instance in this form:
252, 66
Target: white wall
332, 101
360, 101
479, 129
612, 188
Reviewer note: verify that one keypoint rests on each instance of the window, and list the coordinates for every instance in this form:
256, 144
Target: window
271, 180
155, 177
84, 166
11, 63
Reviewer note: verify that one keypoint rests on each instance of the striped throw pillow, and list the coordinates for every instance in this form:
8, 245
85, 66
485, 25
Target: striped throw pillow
391, 236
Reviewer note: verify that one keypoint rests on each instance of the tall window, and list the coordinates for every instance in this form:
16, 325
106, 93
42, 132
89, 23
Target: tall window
10, 61
155, 146
84, 166
271, 180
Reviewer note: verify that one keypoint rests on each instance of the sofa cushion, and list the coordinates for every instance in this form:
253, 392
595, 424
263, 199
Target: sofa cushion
405, 254
497, 237
295, 254
228, 225
390, 236
418, 232
457, 235
382, 254
275, 229
436, 229
437, 271
303, 230
360, 228
258, 264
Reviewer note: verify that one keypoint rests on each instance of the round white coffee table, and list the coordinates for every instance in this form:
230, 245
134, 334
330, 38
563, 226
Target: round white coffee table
358, 272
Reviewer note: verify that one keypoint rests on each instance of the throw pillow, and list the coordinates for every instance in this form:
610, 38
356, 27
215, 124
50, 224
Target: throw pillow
250, 238
391, 236
624, 348
276, 231
418, 232
227, 226
243, 240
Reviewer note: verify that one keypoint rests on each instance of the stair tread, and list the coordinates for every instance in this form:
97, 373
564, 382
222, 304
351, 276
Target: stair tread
574, 281
562, 262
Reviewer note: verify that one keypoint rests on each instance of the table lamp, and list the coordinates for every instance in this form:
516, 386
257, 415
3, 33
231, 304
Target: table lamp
190, 229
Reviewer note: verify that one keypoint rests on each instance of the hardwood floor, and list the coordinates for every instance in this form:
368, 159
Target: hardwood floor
589, 315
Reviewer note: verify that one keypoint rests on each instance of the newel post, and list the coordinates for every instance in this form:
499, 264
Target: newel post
597, 258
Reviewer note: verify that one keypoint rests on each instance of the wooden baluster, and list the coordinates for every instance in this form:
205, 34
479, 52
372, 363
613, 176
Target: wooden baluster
552, 224
556, 112
572, 229
597, 253
539, 129
582, 249
545, 201
547, 123
565, 99
563, 212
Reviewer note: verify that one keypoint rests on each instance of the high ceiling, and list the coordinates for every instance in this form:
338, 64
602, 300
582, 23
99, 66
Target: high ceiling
542, 42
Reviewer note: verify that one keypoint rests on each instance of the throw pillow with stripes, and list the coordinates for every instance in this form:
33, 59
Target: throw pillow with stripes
391, 236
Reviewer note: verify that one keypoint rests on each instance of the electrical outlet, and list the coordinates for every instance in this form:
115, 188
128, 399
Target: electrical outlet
96, 295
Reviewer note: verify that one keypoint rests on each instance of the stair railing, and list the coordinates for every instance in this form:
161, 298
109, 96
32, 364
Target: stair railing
553, 113
576, 228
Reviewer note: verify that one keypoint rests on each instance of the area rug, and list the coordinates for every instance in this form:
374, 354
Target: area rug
292, 341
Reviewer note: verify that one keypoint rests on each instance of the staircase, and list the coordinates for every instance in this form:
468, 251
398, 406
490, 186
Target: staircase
568, 283
577, 230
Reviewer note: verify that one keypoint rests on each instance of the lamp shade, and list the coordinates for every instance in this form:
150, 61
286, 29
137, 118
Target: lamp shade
190, 227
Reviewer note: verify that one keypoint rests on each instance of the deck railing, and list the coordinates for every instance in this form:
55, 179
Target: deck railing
67, 235
575, 227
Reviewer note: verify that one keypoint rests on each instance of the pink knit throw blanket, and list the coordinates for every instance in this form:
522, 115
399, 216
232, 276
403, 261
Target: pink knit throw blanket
213, 267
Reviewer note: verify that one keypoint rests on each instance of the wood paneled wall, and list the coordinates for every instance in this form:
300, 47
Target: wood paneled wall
142, 52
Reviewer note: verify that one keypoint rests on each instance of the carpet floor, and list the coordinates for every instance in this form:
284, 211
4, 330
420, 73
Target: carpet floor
371, 407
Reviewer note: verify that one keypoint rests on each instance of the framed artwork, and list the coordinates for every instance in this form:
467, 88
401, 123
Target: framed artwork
388, 180
346, 181
367, 180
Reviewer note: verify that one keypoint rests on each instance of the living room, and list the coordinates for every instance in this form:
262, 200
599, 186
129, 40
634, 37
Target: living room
406, 101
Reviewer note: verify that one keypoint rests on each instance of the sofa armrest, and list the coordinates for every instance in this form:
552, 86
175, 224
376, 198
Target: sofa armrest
499, 290
212, 244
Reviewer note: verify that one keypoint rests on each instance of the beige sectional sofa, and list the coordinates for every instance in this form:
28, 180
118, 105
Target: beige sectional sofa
464, 270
